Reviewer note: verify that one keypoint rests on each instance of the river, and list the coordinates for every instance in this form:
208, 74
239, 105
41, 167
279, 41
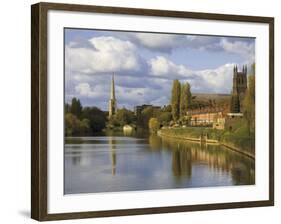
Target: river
130, 163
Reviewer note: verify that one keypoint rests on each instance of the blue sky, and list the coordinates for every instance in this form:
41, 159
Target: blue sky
145, 65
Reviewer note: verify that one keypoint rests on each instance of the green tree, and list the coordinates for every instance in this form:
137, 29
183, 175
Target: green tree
249, 104
71, 124
153, 125
85, 126
67, 108
164, 118
76, 107
167, 108
146, 114
175, 99
96, 117
124, 116
185, 99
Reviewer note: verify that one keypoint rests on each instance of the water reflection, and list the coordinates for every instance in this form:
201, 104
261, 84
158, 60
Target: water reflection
215, 156
155, 143
112, 143
181, 163
76, 159
122, 163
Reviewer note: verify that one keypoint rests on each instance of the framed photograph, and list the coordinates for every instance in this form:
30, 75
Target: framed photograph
139, 111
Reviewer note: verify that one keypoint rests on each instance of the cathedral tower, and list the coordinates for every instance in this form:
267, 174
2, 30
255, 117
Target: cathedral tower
239, 87
112, 101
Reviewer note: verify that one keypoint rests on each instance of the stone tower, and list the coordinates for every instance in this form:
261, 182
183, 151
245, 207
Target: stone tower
239, 87
112, 101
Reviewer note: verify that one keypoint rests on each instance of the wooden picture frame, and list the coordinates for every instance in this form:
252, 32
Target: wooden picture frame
39, 109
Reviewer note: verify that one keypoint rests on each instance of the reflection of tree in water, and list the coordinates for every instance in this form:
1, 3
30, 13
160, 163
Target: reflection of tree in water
76, 158
155, 143
243, 174
185, 154
113, 157
181, 163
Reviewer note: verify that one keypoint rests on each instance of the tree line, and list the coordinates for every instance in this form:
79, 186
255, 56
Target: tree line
81, 120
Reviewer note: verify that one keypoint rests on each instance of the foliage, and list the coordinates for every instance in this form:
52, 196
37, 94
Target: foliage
79, 120
164, 118
96, 117
175, 99
74, 126
166, 108
153, 125
145, 115
249, 104
85, 125
122, 117
67, 108
238, 137
76, 107
185, 99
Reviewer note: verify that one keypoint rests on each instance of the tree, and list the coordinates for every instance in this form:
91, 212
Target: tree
146, 114
185, 99
153, 125
96, 117
164, 118
167, 108
175, 99
249, 103
74, 126
76, 107
67, 108
124, 116
71, 124
85, 126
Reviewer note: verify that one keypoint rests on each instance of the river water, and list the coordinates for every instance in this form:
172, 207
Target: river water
127, 163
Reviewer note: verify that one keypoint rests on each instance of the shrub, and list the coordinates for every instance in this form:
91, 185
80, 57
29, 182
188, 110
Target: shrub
153, 125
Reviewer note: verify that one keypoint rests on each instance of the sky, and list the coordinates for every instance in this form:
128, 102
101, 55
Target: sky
145, 65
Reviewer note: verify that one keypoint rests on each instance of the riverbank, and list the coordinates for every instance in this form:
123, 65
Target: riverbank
231, 141
200, 139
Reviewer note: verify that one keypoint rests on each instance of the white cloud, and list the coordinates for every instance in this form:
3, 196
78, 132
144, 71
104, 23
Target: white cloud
242, 48
108, 54
213, 80
169, 42
84, 89
217, 80
164, 42
161, 66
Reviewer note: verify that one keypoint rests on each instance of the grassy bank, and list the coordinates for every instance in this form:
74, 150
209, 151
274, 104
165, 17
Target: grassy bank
238, 138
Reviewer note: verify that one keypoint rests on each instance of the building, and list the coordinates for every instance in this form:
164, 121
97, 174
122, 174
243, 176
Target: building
239, 87
205, 117
112, 105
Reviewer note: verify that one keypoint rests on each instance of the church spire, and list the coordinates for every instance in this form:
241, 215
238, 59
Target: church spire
112, 100
112, 95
